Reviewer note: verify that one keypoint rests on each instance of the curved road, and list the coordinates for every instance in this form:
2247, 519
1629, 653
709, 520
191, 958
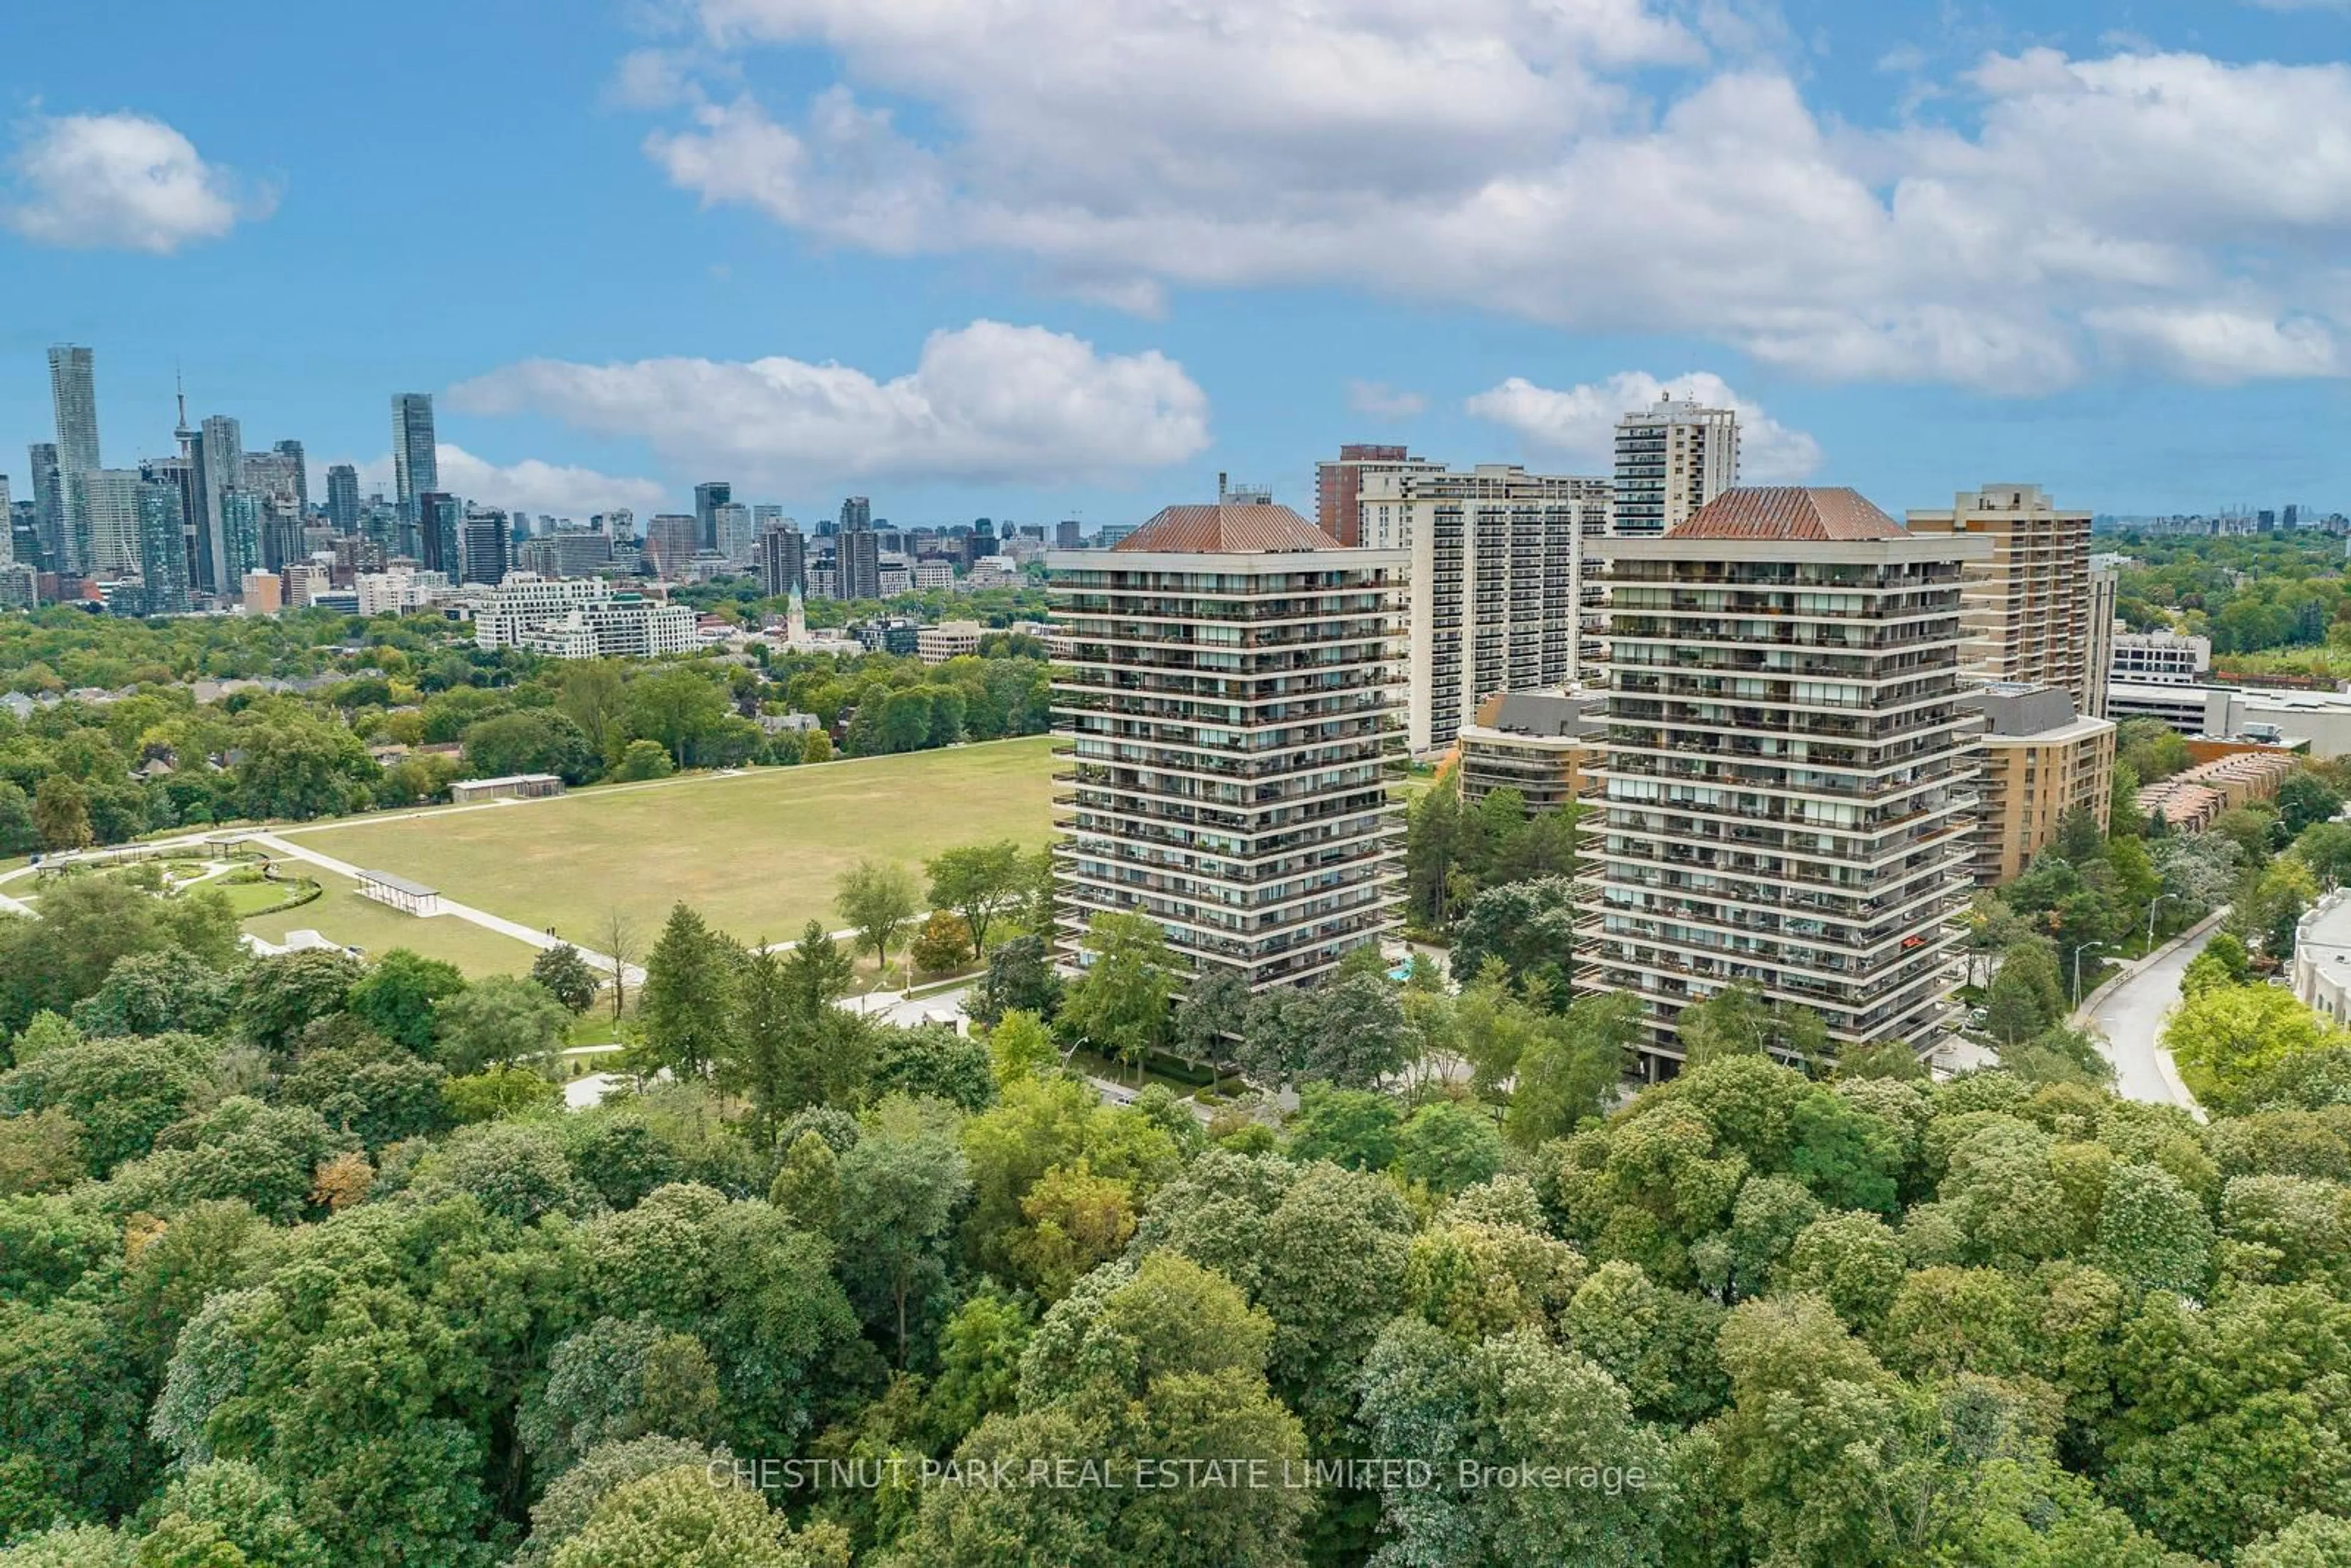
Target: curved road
2129, 1018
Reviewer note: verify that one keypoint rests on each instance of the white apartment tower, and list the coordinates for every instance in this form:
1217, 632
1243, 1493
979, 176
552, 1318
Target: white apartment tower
1497, 582
1789, 772
1671, 459
736, 533
1228, 683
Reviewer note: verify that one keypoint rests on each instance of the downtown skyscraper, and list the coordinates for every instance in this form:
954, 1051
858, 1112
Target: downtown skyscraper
857, 552
221, 557
343, 499
73, 392
46, 489
416, 457
298, 469
708, 496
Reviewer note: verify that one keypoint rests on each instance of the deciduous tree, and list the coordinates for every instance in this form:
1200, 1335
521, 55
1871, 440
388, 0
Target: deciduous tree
398, 993
877, 897
2225, 1035
978, 882
61, 813
500, 1021
1119, 1003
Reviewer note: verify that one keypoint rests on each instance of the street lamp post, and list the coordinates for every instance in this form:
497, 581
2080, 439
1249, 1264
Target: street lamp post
2077, 968
2160, 900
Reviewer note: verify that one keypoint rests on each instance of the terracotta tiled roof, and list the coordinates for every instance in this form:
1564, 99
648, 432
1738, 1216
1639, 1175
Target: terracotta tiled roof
1788, 512
1232, 528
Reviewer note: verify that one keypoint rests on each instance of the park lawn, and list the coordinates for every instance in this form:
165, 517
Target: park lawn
248, 898
596, 1028
756, 852
342, 916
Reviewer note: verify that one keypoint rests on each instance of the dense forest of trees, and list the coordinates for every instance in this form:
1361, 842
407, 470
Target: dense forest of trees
2248, 593
301, 1263
152, 757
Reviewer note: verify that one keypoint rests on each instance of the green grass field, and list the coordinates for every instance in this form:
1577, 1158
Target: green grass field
757, 854
341, 915
249, 897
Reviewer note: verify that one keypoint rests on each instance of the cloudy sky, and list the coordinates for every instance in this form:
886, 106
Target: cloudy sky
1035, 258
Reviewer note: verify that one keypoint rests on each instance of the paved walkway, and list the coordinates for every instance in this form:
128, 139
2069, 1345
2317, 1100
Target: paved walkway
2127, 1015
635, 974
912, 1012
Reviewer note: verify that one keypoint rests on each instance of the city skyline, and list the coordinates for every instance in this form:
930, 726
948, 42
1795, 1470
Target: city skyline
523, 490
2068, 243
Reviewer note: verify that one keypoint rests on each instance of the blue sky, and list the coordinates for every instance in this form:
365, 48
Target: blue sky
1080, 257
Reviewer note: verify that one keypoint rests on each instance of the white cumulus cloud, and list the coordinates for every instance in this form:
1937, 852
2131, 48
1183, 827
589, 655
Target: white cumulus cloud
531, 486
122, 181
1580, 421
1597, 165
984, 404
2220, 345
1381, 400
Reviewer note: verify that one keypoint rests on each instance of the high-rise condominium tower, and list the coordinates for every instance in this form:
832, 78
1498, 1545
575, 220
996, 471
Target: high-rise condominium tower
439, 519
2106, 587
415, 459
219, 559
857, 553
732, 536
1497, 573
1672, 459
2030, 610
670, 543
73, 392
1338, 485
243, 520
486, 548
276, 474
298, 468
1789, 768
343, 499
44, 486
162, 536
110, 506
783, 562
708, 496
1229, 692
